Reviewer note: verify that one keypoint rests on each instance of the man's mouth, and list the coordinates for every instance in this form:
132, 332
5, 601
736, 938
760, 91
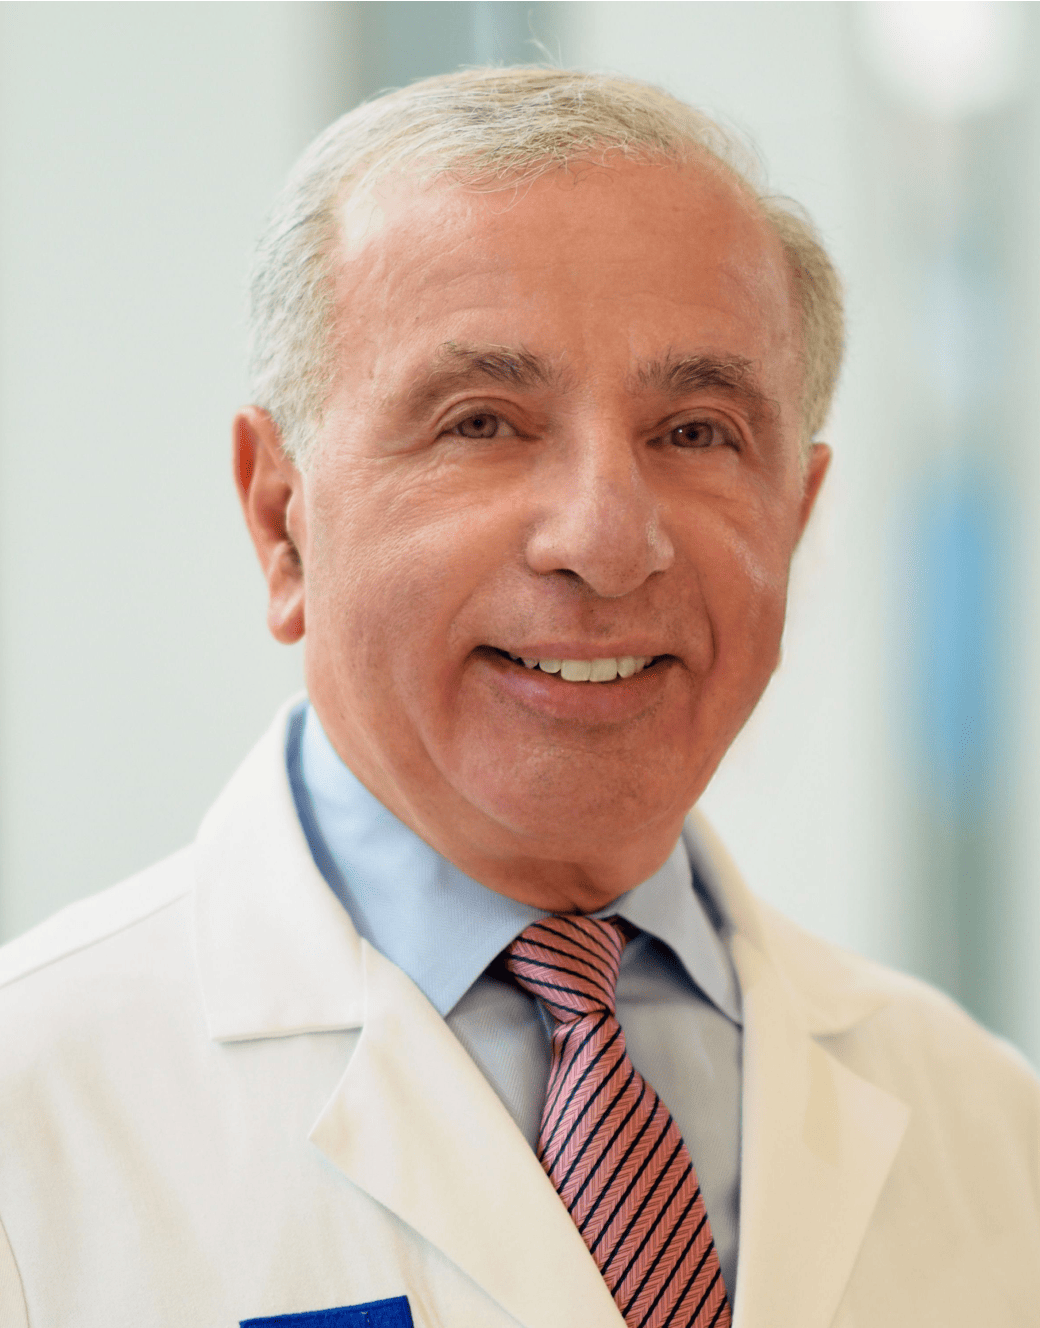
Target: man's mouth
587, 670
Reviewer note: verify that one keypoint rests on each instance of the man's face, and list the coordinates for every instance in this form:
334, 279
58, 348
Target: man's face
565, 427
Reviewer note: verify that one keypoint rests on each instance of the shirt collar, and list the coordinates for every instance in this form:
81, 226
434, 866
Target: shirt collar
436, 923
668, 905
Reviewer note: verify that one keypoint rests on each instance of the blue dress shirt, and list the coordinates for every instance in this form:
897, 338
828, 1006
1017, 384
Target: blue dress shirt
677, 996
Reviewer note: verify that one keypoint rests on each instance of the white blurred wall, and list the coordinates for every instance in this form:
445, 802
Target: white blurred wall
140, 146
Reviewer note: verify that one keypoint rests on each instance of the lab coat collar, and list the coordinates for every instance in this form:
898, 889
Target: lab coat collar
818, 1140
829, 991
414, 1124
277, 952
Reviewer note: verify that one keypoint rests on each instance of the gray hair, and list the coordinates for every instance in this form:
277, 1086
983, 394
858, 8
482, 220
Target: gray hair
486, 128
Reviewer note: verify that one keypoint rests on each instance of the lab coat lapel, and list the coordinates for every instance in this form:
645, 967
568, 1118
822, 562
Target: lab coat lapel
818, 1142
817, 1139
276, 950
412, 1122
415, 1125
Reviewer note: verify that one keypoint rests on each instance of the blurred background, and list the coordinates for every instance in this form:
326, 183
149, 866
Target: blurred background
887, 791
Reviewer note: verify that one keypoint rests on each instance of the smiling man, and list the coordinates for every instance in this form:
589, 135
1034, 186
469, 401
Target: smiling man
565, 428
454, 1014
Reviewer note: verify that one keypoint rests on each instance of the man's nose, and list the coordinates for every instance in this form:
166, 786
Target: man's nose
600, 518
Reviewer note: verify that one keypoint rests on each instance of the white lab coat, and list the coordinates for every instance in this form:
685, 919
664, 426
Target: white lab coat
217, 1102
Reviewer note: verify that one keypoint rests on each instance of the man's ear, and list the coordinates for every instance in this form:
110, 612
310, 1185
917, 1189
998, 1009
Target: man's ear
819, 461
270, 489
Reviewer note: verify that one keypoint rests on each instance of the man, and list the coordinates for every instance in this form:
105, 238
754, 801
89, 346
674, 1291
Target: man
451, 1015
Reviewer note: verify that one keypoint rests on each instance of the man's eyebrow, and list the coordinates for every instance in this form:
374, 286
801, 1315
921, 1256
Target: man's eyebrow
455, 364
731, 374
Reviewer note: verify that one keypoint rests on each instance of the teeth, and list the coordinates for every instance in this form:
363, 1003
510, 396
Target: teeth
576, 670
587, 670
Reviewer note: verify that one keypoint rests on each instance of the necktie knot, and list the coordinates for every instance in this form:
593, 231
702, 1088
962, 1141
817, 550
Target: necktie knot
570, 963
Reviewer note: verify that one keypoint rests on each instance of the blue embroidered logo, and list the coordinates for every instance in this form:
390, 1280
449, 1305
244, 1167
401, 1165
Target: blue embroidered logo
392, 1313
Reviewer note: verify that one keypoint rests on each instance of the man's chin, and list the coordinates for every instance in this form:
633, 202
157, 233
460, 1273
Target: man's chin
616, 835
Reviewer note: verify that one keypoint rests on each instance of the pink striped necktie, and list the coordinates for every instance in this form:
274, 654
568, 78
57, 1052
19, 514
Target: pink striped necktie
607, 1141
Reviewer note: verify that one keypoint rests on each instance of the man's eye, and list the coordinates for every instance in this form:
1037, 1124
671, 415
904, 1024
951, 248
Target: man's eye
698, 433
482, 425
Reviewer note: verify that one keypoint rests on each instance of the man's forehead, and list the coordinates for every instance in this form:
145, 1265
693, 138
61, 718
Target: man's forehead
364, 213
417, 252
405, 238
